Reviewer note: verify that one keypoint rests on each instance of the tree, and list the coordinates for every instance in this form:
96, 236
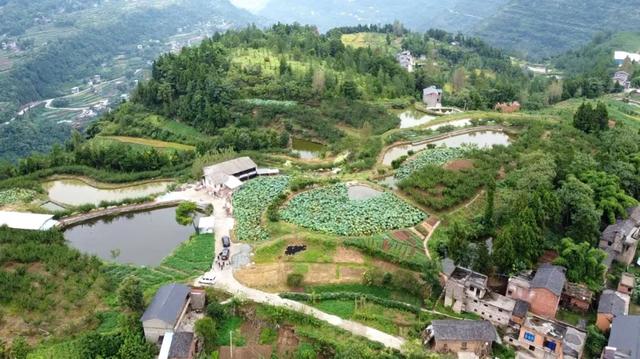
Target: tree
608, 196
130, 294
504, 253
459, 78
583, 263
216, 311
483, 262
205, 328
579, 215
489, 207
430, 276
350, 90
294, 280
591, 120
185, 213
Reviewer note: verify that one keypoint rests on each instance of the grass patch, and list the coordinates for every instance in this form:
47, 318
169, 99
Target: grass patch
150, 143
380, 292
231, 324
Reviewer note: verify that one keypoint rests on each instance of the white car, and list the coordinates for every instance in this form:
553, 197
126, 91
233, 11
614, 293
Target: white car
207, 279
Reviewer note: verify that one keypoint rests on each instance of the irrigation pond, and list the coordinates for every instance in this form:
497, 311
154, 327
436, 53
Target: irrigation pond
142, 238
75, 192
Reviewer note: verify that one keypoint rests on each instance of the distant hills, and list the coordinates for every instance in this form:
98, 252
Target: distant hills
451, 15
540, 28
532, 28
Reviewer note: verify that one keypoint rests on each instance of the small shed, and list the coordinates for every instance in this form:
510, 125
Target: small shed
627, 283
206, 224
577, 297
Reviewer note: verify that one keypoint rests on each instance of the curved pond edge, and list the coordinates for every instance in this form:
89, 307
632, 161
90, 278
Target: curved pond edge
82, 218
104, 185
440, 137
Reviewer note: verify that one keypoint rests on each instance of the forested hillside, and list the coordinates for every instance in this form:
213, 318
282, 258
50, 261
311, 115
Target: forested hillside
66, 43
540, 28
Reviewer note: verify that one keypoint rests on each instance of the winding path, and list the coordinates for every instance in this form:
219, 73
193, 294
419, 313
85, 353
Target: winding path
226, 281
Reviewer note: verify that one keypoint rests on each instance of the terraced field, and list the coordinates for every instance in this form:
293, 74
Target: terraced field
401, 247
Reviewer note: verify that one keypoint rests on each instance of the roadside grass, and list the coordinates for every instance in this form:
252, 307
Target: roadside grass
230, 325
389, 320
150, 143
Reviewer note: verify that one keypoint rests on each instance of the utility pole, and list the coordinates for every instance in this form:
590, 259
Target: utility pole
231, 342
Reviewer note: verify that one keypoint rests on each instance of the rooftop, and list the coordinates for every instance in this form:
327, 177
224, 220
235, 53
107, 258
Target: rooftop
546, 327
231, 167
521, 308
578, 291
467, 275
574, 341
181, 345
625, 337
550, 277
448, 266
167, 304
28, 221
612, 302
628, 280
468, 330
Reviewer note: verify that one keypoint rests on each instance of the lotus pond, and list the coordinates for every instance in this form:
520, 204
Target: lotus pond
251, 201
330, 210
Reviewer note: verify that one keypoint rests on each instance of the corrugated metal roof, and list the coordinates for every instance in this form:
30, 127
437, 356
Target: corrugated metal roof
167, 304
30, 221
231, 167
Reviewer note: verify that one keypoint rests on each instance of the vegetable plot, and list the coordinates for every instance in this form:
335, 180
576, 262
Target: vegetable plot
16, 195
330, 210
250, 202
437, 156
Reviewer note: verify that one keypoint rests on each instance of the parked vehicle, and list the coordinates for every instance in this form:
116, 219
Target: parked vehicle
224, 255
207, 278
226, 241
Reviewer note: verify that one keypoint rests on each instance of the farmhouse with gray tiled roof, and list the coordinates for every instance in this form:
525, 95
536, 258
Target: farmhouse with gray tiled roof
550, 277
457, 336
165, 310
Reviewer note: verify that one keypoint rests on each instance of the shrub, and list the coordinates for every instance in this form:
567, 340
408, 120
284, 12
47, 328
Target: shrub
294, 280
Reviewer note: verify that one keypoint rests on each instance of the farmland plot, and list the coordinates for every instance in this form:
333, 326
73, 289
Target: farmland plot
251, 201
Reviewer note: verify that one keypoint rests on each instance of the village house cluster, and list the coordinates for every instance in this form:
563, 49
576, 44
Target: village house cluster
526, 309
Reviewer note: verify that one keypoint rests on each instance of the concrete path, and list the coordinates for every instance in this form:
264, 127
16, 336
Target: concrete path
426, 239
226, 281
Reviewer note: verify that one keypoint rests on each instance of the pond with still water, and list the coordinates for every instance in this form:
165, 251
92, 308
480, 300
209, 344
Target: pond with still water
76, 192
307, 150
480, 139
360, 192
413, 118
143, 238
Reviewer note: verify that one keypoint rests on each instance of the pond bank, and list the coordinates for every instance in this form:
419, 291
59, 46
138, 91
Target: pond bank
112, 212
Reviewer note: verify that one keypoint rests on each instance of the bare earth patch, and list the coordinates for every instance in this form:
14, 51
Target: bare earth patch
346, 255
458, 165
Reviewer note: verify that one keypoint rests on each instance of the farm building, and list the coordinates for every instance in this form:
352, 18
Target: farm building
456, 336
542, 290
432, 96
180, 345
28, 221
612, 304
627, 283
543, 338
406, 60
206, 224
166, 310
466, 291
620, 240
576, 297
231, 174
